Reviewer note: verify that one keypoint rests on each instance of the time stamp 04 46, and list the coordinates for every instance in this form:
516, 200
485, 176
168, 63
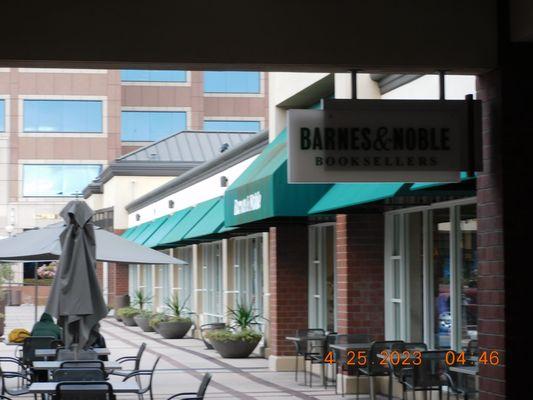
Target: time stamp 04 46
414, 358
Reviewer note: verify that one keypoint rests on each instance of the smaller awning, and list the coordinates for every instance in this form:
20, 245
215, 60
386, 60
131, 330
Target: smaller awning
212, 222
138, 232
178, 233
150, 229
167, 226
343, 195
262, 190
128, 232
428, 185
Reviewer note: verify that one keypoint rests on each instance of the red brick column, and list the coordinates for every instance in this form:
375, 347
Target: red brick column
360, 274
118, 281
491, 266
288, 245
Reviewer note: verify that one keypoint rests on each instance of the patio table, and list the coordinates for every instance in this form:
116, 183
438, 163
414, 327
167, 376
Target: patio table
50, 387
345, 347
53, 365
465, 369
306, 338
52, 352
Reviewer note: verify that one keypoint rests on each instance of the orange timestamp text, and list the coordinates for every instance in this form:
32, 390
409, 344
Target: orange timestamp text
406, 358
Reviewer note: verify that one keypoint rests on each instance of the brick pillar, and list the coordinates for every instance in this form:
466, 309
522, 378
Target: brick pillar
118, 281
288, 245
360, 274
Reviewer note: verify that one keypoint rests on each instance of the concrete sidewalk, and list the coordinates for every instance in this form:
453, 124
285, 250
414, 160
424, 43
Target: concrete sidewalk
184, 361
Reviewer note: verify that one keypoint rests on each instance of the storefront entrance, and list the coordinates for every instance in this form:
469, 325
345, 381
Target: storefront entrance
322, 277
431, 274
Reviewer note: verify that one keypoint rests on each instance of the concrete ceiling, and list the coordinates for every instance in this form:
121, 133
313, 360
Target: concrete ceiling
282, 35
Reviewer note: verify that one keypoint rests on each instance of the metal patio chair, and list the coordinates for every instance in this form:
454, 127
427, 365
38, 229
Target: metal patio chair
319, 359
32, 343
199, 395
373, 366
136, 359
428, 376
341, 361
23, 379
80, 390
78, 374
137, 374
306, 348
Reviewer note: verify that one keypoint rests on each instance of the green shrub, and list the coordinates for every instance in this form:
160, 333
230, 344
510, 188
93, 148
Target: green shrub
145, 314
176, 307
128, 312
225, 335
157, 318
173, 318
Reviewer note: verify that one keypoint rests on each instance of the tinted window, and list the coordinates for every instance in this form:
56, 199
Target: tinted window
58, 180
232, 126
231, 82
83, 116
151, 125
2, 115
146, 75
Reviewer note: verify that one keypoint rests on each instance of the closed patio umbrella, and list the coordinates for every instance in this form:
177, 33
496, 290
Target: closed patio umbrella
75, 298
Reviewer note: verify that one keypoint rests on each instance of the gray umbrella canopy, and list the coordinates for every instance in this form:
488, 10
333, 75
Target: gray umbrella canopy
44, 245
75, 298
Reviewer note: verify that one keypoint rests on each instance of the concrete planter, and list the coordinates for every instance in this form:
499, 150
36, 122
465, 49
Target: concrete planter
235, 348
173, 330
129, 321
143, 323
2, 326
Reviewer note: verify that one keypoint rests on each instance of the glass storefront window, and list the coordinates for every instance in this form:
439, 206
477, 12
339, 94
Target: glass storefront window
212, 282
469, 274
441, 278
182, 276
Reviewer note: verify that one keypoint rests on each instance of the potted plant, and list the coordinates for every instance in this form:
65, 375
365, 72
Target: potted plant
142, 319
155, 319
241, 340
176, 325
127, 314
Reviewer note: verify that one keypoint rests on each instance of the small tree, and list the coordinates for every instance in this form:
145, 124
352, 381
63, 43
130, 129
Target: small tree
140, 299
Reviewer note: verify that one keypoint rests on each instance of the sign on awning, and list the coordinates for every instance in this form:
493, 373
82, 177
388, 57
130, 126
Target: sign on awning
384, 141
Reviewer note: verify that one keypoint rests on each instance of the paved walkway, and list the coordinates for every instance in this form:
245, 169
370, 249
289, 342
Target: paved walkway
183, 362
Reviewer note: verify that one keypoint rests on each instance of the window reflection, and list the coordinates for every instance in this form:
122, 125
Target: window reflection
441, 278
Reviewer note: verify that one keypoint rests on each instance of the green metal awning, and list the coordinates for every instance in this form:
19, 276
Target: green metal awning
427, 185
128, 232
343, 195
262, 191
152, 227
168, 225
212, 222
138, 232
192, 218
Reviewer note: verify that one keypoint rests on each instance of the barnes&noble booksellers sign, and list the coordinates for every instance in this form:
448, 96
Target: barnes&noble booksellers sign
384, 141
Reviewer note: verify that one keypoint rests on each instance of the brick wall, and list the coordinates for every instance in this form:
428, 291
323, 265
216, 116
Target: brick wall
118, 281
288, 245
360, 274
491, 269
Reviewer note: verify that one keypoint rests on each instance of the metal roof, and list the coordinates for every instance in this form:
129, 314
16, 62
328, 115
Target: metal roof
188, 146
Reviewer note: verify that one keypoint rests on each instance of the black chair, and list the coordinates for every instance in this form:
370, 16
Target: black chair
341, 360
70, 355
80, 390
83, 364
459, 384
396, 368
428, 376
199, 395
138, 374
374, 366
23, 377
210, 327
136, 359
307, 348
32, 343
321, 359
78, 374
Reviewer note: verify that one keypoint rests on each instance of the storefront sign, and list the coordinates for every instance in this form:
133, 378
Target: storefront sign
251, 202
383, 141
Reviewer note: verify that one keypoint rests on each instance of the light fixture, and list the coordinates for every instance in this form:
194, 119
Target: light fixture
223, 181
137, 217
171, 204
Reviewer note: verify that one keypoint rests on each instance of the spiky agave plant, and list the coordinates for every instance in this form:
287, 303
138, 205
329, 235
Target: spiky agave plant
244, 316
141, 299
176, 306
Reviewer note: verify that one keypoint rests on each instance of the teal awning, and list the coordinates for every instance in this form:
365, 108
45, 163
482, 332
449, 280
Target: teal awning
178, 233
343, 195
262, 191
168, 225
138, 232
427, 185
152, 227
212, 222
128, 232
